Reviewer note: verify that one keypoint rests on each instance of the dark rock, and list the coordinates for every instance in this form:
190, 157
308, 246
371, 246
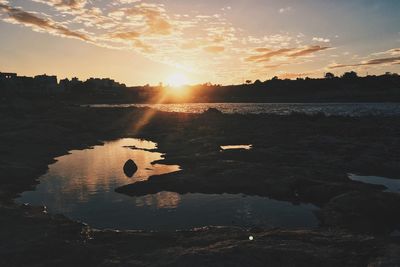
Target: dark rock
363, 212
295, 158
130, 168
212, 111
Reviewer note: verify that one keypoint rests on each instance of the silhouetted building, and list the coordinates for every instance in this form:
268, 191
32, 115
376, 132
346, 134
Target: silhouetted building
349, 87
40, 84
7, 75
71, 86
46, 84
103, 85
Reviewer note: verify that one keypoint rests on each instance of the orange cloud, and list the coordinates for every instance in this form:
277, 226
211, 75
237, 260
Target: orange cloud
157, 22
285, 52
270, 54
308, 50
132, 35
29, 19
214, 49
178, 40
294, 75
377, 61
67, 5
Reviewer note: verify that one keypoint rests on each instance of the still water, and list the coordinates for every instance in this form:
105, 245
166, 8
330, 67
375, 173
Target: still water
81, 186
392, 185
234, 147
342, 109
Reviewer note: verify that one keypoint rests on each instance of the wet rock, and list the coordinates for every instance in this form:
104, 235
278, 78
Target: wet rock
130, 168
363, 212
301, 158
390, 257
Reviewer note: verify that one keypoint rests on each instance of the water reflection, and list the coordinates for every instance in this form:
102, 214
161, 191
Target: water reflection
85, 173
392, 185
162, 200
232, 147
342, 109
81, 186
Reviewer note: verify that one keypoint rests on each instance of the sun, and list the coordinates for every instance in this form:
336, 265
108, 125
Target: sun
177, 80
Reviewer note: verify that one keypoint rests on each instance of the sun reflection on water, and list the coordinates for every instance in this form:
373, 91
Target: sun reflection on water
162, 200
81, 186
88, 172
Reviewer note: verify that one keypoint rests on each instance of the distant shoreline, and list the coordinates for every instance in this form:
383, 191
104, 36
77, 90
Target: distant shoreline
349, 88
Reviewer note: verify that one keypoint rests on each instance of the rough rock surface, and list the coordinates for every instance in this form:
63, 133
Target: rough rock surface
296, 158
35, 238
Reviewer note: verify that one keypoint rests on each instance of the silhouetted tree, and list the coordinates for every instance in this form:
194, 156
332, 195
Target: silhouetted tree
329, 75
257, 82
350, 75
248, 81
275, 78
391, 74
208, 84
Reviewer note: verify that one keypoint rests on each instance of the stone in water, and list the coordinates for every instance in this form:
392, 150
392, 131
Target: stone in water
130, 168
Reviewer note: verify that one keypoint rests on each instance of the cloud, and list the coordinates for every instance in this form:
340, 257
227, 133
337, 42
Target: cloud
64, 4
214, 49
308, 50
371, 62
269, 54
128, 1
274, 66
132, 35
143, 46
187, 41
154, 15
390, 52
133, 38
320, 39
19, 16
262, 50
395, 51
294, 75
285, 9
285, 52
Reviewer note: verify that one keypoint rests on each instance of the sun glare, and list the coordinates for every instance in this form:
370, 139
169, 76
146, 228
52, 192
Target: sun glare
177, 80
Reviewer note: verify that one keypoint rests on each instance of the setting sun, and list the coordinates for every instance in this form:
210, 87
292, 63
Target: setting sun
177, 80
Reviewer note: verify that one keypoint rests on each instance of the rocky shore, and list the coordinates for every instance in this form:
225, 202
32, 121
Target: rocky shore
297, 158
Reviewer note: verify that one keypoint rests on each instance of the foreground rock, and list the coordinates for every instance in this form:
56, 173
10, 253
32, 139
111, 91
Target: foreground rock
295, 158
363, 212
34, 238
130, 168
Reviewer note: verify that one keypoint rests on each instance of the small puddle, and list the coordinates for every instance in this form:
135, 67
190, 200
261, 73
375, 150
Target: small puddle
81, 186
85, 176
392, 185
233, 147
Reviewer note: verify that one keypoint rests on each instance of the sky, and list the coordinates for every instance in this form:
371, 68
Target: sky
141, 42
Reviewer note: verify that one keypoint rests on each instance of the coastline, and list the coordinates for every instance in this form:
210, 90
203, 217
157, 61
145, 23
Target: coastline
34, 136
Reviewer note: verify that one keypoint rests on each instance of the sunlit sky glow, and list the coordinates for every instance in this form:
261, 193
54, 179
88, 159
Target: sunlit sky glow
225, 41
